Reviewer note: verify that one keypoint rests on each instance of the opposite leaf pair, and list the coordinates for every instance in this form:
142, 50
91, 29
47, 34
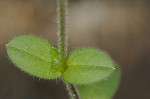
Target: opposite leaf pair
40, 58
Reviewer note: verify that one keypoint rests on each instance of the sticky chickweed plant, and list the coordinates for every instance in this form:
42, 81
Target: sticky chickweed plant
88, 73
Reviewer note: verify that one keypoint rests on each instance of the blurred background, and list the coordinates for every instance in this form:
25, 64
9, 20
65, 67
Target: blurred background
120, 27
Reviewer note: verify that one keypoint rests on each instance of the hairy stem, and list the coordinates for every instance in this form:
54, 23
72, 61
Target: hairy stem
72, 91
62, 44
62, 31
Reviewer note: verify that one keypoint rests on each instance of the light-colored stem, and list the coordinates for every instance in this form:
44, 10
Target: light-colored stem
62, 44
62, 31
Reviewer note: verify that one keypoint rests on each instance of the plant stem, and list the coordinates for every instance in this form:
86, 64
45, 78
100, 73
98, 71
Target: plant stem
62, 31
62, 44
72, 91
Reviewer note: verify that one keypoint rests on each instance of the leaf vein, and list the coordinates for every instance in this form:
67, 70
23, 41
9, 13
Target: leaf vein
15, 48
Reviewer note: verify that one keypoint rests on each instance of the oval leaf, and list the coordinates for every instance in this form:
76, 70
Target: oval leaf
88, 65
35, 56
104, 89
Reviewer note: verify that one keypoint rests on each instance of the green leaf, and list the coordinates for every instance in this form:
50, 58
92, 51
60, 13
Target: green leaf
104, 89
35, 56
88, 65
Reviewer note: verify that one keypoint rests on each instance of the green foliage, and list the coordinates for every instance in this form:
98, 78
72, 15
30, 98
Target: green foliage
104, 89
35, 56
39, 58
88, 65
